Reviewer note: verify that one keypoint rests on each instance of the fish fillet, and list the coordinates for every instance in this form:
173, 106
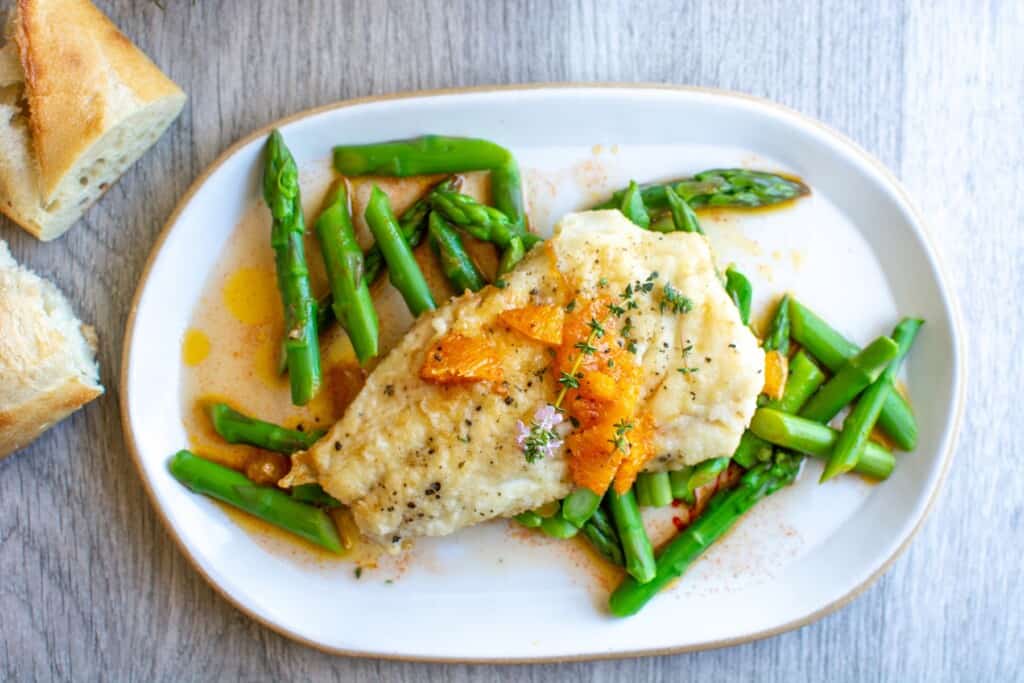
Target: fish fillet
413, 458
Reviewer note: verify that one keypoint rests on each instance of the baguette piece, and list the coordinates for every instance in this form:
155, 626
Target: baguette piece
47, 364
90, 104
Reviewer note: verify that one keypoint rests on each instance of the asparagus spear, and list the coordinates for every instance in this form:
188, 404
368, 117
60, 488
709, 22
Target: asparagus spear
281, 193
511, 257
854, 377
556, 526
456, 264
705, 473
234, 427
314, 495
679, 481
266, 502
833, 350
778, 331
642, 491
636, 546
483, 222
632, 206
507, 190
419, 156
805, 436
529, 519
684, 219
402, 267
653, 489
752, 449
861, 420
579, 505
600, 532
344, 262
722, 512
732, 188
440, 154
804, 379
740, 291
413, 225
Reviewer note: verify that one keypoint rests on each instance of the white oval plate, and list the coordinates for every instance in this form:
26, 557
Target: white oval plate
856, 251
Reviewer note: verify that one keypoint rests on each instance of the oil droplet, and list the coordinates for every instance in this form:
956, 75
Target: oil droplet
797, 257
251, 295
195, 347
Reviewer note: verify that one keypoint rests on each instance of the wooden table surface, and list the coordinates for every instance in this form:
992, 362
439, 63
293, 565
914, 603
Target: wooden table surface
92, 586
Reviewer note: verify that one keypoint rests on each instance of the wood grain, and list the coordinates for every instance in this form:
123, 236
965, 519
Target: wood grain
92, 587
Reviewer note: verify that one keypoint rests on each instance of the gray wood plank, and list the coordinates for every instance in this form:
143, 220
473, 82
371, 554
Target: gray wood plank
94, 589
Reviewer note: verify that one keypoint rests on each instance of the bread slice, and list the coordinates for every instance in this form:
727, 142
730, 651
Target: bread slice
47, 364
90, 105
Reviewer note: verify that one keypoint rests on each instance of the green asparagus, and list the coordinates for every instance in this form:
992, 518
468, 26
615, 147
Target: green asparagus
513, 254
856, 375
413, 224
724, 510
632, 206
679, 480
705, 473
740, 291
579, 505
403, 270
344, 263
804, 379
805, 436
456, 263
314, 495
234, 427
833, 350
600, 532
281, 193
656, 488
861, 420
684, 218
266, 502
636, 546
440, 154
731, 188
507, 190
556, 526
777, 338
419, 156
529, 519
482, 222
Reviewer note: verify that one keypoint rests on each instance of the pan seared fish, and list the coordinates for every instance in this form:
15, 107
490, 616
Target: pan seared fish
430, 444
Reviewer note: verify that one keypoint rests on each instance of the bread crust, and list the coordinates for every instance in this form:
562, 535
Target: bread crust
20, 425
46, 365
82, 78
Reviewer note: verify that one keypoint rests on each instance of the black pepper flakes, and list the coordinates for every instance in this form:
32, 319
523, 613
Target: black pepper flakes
389, 390
337, 445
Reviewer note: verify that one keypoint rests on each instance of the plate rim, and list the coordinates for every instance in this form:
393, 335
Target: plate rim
894, 184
